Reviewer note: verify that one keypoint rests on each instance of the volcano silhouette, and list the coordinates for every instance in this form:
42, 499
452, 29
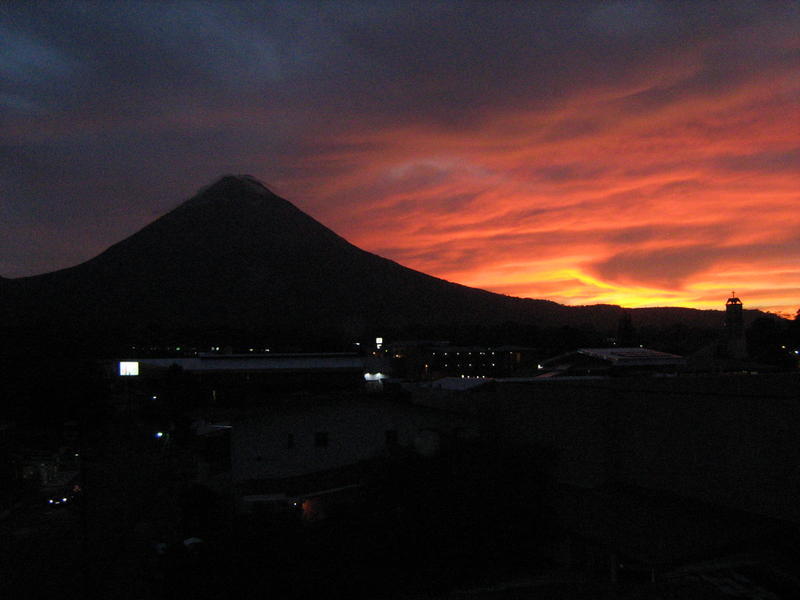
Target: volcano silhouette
236, 257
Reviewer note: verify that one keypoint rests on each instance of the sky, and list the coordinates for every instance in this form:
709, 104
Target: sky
633, 153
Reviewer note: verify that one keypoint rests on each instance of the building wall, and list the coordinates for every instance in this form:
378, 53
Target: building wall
731, 440
355, 431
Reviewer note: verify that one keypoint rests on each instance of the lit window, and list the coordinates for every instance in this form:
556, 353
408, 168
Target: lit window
129, 368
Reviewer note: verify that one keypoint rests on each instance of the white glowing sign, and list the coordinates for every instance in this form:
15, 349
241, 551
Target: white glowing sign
128, 368
378, 342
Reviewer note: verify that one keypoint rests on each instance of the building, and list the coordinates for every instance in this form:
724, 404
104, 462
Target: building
611, 361
733, 344
477, 361
661, 471
319, 443
728, 353
235, 379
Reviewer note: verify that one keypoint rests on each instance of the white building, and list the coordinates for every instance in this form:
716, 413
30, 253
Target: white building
315, 436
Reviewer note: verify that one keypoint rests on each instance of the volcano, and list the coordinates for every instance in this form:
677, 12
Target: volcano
238, 258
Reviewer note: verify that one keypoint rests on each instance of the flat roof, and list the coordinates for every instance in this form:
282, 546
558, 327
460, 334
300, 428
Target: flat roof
633, 356
260, 362
622, 357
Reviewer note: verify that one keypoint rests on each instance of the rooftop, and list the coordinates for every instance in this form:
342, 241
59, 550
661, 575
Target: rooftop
613, 357
259, 362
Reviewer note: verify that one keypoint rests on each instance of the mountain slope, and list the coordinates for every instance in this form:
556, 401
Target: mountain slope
236, 256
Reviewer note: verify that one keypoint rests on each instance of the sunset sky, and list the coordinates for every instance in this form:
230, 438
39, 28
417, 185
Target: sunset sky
635, 153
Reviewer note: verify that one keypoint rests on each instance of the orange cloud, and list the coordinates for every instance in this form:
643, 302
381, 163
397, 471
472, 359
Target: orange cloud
671, 191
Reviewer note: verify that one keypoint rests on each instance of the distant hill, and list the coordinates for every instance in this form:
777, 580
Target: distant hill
236, 257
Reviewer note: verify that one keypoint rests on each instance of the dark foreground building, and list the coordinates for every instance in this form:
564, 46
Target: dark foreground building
660, 472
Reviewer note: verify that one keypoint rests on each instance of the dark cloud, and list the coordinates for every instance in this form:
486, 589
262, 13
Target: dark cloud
670, 267
777, 161
664, 268
569, 172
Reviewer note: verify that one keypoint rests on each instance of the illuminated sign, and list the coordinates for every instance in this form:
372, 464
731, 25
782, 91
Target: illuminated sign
378, 342
128, 368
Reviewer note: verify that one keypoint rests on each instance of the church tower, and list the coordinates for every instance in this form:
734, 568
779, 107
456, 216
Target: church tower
735, 345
